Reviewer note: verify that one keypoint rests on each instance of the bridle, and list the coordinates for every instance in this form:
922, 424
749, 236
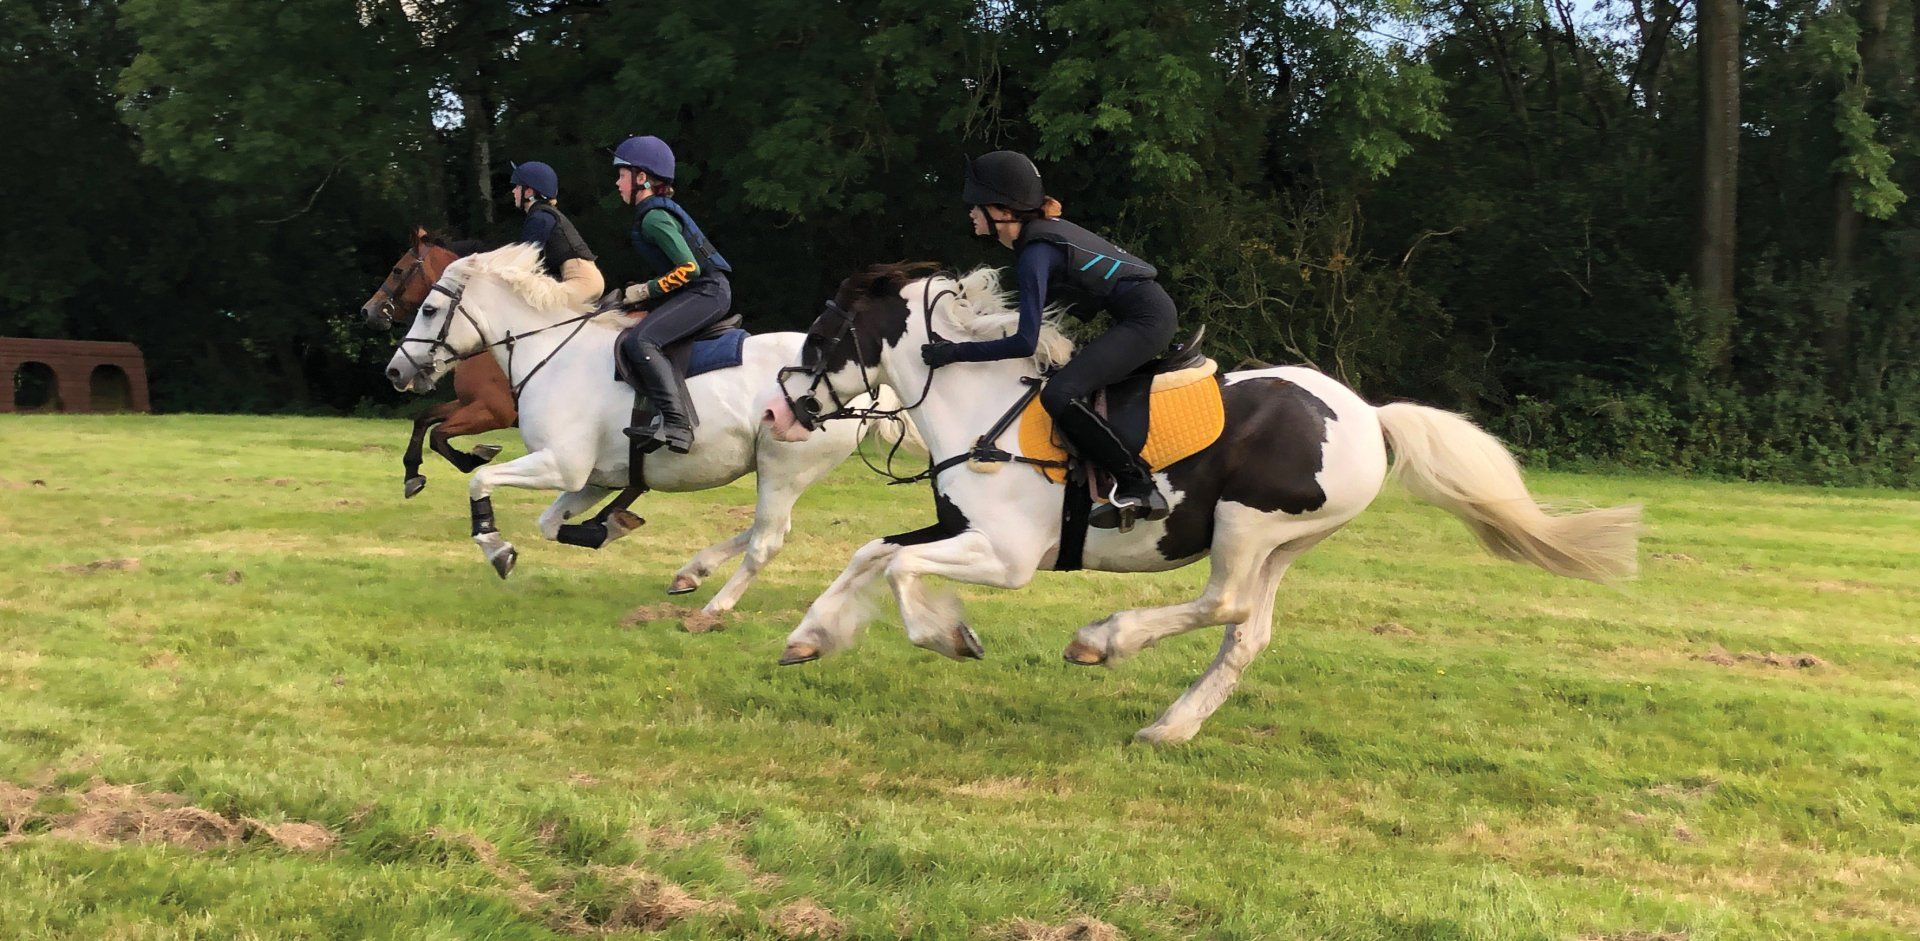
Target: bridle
391, 296
810, 413
807, 408
454, 306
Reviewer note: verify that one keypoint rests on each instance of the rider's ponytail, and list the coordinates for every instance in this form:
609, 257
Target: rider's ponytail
1049, 209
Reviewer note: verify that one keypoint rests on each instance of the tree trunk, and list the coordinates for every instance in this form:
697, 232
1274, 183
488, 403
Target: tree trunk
479, 121
1847, 219
1715, 254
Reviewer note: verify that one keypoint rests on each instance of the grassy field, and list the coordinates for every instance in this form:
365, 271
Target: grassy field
309, 710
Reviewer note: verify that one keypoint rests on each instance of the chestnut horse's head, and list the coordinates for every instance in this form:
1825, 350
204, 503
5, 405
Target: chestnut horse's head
406, 285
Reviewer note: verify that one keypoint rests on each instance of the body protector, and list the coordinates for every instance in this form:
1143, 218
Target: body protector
709, 258
1095, 266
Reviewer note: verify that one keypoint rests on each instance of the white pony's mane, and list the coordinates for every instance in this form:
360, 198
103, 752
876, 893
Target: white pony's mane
519, 268
984, 310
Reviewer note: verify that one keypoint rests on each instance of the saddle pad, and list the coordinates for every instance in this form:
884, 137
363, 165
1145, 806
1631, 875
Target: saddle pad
1184, 422
722, 352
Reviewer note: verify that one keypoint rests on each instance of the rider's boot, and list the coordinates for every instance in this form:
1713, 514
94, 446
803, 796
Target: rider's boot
1134, 498
672, 427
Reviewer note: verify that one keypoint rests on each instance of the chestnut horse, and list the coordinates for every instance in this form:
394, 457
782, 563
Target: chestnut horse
483, 401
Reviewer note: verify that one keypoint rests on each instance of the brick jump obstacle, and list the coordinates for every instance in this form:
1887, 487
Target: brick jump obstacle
72, 376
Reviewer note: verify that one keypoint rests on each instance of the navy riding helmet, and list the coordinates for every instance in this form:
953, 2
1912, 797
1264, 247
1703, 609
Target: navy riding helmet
647, 153
538, 177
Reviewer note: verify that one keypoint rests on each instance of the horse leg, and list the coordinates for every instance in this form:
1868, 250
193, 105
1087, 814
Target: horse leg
1243, 540
414, 482
835, 617
541, 470
566, 505
778, 488
469, 419
935, 621
1243, 641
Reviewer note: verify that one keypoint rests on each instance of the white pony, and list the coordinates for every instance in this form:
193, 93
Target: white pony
1301, 456
572, 410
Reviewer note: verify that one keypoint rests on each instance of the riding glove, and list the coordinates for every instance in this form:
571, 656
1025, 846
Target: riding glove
939, 353
637, 294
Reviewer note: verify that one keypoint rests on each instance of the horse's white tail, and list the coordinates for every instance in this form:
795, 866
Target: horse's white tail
892, 433
1446, 460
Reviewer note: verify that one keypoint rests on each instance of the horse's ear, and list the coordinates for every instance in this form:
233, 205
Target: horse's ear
418, 236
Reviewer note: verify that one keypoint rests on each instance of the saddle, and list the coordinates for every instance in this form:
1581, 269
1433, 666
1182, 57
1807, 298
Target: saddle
1166, 411
721, 346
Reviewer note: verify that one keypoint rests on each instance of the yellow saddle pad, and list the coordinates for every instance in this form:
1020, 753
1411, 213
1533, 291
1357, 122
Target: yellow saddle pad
1182, 421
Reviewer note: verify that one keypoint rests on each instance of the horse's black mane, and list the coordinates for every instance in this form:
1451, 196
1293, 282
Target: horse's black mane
888, 278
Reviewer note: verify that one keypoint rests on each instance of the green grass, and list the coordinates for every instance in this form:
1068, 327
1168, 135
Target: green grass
1541, 758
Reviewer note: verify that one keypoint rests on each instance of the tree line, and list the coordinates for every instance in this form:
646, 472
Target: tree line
1652, 233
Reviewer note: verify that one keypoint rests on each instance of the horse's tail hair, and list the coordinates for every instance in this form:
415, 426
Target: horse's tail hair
894, 432
1448, 461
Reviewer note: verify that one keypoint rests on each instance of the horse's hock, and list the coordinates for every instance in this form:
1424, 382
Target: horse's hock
73, 376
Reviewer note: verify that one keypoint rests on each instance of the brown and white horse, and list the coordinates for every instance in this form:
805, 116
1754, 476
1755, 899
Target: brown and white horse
1301, 456
483, 400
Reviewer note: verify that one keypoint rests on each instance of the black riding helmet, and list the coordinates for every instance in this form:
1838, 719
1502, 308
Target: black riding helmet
1004, 178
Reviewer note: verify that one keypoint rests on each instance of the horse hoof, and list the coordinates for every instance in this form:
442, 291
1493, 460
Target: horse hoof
486, 452
622, 522
415, 484
683, 585
1084, 654
968, 644
1159, 735
799, 653
503, 561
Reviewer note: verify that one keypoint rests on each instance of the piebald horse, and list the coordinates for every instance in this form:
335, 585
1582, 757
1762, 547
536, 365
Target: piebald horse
572, 410
1301, 456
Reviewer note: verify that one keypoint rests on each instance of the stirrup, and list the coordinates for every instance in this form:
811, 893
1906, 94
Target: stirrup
1122, 512
658, 434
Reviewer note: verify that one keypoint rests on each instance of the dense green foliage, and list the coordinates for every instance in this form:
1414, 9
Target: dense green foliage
1438, 745
1485, 205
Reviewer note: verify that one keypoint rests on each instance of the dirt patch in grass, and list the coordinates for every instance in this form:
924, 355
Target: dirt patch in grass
102, 565
805, 919
1083, 928
994, 788
1637, 936
651, 903
16, 807
693, 621
106, 814
1395, 629
228, 577
647, 902
669, 837
1798, 661
161, 660
296, 836
1679, 557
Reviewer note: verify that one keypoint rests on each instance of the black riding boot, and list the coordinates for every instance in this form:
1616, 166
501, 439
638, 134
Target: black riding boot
652, 373
1135, 498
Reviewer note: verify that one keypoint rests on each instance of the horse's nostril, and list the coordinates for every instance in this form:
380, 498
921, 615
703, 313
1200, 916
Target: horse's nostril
393, 373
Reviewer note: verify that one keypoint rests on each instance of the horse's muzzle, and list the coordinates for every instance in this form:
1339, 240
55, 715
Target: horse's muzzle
785, 424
